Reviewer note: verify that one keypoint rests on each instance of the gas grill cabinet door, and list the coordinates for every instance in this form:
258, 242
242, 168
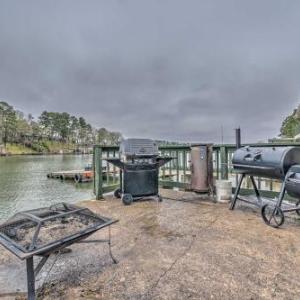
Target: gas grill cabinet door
140, 183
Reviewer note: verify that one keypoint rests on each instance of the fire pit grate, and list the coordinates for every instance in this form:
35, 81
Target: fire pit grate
36, 229
47, 230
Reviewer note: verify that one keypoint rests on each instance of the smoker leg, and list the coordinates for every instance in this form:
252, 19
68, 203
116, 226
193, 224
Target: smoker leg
281, 195
233, 201
109, 247
256, 191
30, 279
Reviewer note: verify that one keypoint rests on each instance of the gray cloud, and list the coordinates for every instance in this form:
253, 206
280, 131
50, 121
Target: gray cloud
175, 70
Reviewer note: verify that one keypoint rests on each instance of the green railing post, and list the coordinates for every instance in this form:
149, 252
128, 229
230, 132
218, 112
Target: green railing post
98, 172
93, 166
224, 162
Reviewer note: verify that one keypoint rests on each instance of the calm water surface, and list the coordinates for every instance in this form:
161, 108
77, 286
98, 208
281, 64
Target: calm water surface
24, 184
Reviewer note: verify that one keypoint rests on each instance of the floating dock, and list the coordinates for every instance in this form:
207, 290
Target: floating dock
76, 175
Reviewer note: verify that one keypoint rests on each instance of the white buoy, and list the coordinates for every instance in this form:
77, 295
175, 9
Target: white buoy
223, 191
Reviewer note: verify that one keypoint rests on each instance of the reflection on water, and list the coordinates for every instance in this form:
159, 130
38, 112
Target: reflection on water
24, 185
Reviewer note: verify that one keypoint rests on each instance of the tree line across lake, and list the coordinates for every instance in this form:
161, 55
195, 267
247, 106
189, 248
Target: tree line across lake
62, 128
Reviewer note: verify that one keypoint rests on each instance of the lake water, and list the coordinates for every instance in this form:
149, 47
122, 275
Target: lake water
24, 183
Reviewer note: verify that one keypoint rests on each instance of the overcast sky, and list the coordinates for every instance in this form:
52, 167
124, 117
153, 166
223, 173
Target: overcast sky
176, 70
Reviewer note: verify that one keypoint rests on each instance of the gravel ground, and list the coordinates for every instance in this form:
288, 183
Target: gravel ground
191, 249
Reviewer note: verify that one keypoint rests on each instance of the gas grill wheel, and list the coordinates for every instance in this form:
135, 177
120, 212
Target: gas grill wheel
117, 193
272, 216
127, 199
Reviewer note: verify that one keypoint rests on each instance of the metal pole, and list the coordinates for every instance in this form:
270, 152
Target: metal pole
30, 279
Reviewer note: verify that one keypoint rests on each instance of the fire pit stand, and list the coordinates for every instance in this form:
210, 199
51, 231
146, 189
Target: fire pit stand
46, 231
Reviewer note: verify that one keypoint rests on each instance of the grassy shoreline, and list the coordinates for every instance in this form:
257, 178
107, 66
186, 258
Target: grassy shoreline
46, 148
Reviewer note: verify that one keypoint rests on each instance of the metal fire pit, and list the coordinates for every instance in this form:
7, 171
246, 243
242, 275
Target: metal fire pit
270, 162
139, 164
45, 231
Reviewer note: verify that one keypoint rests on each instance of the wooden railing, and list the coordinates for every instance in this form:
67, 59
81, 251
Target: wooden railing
177, 173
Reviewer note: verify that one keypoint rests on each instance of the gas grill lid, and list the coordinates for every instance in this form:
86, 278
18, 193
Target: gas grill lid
138, 147
271, 162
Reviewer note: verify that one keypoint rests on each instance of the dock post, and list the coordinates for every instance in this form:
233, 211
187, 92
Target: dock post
224, 162
98, 172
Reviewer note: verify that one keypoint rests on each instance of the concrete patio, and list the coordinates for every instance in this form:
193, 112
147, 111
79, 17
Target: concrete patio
187, 248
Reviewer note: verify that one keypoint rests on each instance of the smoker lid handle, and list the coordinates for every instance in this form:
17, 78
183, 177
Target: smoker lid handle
256, 157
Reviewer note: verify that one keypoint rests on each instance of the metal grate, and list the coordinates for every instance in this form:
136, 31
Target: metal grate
36, 229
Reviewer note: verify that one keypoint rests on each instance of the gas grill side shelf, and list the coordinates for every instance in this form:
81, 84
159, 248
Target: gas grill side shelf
162, 160
115, 161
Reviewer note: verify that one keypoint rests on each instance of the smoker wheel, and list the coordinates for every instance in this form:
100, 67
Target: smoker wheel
117, 193
272, 216
160, 198
127, 199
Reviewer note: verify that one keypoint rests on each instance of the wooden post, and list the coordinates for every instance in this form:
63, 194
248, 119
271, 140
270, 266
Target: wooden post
217, 164
98, 172
224, 163
184, 165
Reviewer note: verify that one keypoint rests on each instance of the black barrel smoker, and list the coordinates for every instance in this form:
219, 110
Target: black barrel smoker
139, 165
281, 163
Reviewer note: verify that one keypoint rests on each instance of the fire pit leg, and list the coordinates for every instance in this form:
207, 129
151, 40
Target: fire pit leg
236, 194
109, 247
30, 279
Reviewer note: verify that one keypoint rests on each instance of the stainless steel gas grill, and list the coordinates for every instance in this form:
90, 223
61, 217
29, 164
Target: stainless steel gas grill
139, 165
269, 162
45, 231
